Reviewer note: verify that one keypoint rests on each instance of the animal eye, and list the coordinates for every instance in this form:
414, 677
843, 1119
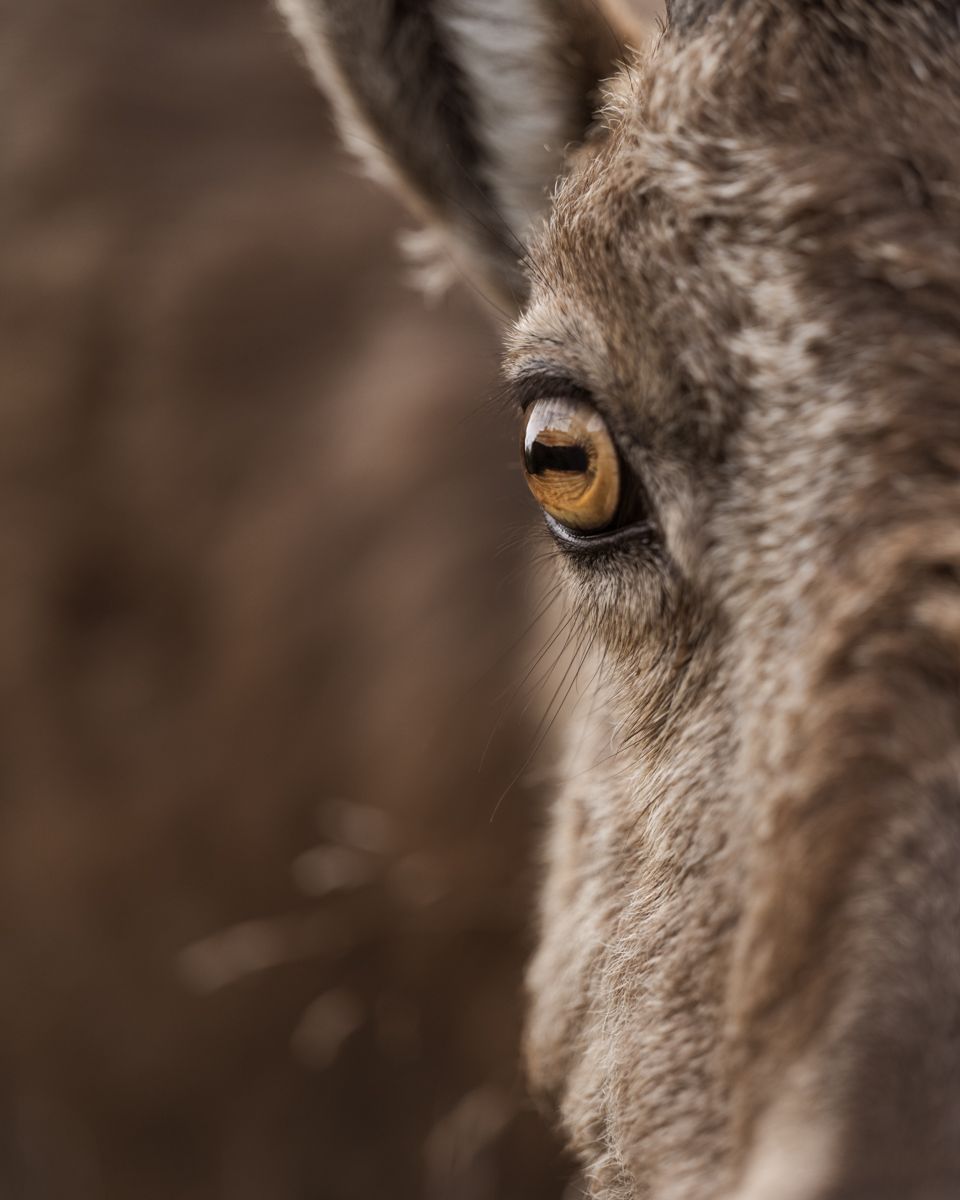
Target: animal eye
571, 464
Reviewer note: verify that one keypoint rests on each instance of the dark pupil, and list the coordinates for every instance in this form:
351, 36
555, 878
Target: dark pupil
541, 458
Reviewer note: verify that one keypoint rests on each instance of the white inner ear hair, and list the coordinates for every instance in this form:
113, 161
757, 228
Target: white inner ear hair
513, 62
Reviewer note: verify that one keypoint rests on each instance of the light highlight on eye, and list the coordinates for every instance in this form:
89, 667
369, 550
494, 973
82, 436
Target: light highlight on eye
571, 464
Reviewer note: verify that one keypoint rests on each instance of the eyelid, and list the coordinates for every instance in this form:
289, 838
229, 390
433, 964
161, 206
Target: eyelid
641, 532
544, 383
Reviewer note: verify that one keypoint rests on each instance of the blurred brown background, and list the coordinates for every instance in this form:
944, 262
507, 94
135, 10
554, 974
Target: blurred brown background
260, 938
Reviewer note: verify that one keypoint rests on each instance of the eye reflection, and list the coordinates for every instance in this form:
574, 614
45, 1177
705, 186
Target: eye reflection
571, 464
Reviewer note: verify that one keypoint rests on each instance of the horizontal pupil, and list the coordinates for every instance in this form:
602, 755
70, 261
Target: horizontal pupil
542, 458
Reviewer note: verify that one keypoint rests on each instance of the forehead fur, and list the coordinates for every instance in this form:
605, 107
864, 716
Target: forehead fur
751, 151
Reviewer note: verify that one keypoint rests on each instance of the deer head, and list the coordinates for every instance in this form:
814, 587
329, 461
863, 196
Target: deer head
736, 361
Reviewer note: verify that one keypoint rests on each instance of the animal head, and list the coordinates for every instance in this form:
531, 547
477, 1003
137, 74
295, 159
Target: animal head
735, 358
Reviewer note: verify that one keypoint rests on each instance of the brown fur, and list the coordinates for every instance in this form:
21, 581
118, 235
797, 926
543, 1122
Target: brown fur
748, 980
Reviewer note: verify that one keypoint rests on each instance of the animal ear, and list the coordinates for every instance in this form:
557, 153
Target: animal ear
467, 105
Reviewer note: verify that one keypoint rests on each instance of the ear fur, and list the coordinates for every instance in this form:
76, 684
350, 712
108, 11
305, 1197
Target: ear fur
467, 105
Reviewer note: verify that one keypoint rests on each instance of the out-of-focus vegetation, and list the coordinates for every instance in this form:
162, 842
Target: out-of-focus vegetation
259, 936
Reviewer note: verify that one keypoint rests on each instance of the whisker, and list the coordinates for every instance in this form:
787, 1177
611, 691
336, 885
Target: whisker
543, 733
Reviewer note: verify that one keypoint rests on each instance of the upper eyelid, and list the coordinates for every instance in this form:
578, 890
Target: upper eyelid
542, 382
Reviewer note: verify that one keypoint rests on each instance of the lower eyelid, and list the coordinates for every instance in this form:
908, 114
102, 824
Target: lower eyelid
640, 532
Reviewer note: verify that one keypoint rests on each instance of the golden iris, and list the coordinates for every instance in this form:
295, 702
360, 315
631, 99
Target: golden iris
571, 464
